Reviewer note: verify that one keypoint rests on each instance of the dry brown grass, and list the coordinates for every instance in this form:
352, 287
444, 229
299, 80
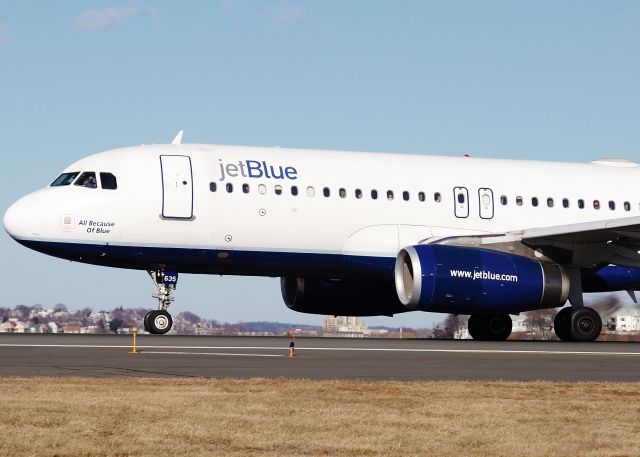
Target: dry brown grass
135, 417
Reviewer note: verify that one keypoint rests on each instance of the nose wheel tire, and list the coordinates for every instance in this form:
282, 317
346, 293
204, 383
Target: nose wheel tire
158, 322
577, 324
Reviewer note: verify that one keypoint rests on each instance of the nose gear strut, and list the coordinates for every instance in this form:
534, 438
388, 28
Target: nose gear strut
159, 321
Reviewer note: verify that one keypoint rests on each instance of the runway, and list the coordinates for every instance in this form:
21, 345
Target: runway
31, 355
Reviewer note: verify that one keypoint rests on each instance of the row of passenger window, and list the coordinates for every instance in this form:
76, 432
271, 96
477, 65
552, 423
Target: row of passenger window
406, 196
326, 191
565, 203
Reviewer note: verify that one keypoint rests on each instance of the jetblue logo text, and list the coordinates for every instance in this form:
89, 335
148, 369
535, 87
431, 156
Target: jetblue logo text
256, 169
483, 275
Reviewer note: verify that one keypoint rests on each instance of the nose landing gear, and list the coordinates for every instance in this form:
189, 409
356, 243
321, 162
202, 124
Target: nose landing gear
159, 321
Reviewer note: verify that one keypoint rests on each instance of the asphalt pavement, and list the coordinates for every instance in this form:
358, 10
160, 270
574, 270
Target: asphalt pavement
29, 355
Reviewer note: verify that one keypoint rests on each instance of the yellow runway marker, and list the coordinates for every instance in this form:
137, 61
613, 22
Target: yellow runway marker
134, 350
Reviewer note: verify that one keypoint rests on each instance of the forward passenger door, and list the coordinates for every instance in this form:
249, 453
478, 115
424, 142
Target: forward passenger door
177, 187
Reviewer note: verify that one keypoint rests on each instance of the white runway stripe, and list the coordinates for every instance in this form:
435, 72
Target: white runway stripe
354, 349
213, 353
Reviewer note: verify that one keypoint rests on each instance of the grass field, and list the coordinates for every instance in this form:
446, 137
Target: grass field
136, 417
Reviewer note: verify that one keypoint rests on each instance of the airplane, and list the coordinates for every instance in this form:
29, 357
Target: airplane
352, 233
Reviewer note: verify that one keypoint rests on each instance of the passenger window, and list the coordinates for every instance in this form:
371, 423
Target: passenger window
503, 200
213, 186
108, 181
278, 189
358, 193
311, 192
519, 200
612, 205
229, 187
627, 206
565, 202
437, 197
581, 203
596, 204
550, 202
534, 201
245, 188
262, 189
405, 196
294, 190
87, 179
342, 193
421, 196
326, 192
65, 179
389, 195
374, 194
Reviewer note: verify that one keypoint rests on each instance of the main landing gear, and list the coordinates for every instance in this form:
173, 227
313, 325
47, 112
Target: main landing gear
573, 323
159, 321
490, 327
577, 324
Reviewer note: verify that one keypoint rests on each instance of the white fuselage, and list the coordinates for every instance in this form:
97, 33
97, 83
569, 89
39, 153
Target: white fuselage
165, 206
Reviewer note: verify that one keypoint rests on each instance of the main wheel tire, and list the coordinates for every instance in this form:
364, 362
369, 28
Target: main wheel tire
585, 324
159, 322
562, 324
498, 327
476, 327
490, 327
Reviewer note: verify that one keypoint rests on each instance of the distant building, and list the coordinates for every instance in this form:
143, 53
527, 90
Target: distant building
626, 320
53, 327
344, 327
39, 328
71, 328
13, 326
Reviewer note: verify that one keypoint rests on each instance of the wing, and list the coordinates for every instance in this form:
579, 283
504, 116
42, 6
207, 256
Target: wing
612, 241
583, 245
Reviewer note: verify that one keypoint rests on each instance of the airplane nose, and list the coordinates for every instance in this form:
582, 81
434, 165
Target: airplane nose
21, 220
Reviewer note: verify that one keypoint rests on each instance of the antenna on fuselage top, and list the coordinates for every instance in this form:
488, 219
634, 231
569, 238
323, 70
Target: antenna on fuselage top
178, 138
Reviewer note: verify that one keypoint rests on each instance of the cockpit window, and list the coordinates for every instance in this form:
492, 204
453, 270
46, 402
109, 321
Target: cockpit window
108, 181
65, 179
87, 179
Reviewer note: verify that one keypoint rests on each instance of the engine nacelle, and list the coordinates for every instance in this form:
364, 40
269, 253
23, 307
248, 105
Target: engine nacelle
341, 297
467, 280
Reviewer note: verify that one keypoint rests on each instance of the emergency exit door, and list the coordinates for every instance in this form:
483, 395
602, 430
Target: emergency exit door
177, 187
485, 197
461, 202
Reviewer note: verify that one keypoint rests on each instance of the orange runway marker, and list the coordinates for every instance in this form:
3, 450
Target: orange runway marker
134, 350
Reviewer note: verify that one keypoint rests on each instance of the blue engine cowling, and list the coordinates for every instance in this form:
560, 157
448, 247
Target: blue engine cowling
341, 297
467, 280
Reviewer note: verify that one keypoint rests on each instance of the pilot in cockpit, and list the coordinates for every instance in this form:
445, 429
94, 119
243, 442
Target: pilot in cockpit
89, 181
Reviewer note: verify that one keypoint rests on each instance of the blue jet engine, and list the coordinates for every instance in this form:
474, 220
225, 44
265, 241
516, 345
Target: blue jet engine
469, 280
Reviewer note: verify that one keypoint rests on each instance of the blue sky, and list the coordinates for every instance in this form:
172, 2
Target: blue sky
535, 80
